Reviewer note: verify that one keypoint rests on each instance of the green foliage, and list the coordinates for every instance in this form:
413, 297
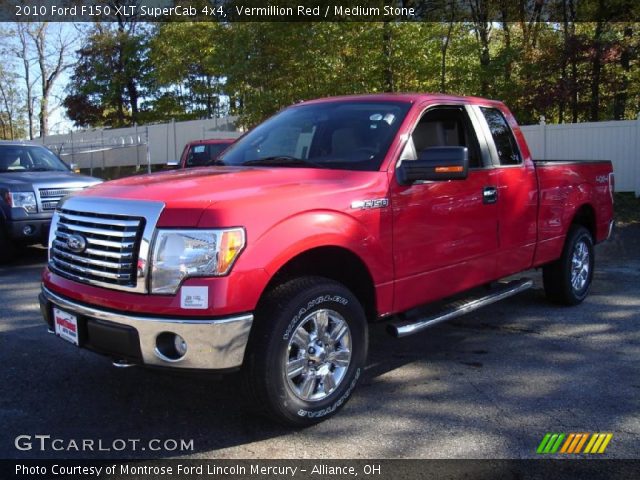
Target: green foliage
563, 71
109, 78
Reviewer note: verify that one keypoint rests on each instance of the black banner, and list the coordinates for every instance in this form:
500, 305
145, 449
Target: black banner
322, 469
318, 10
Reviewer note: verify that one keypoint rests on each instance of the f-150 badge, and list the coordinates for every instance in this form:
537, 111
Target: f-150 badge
366, 204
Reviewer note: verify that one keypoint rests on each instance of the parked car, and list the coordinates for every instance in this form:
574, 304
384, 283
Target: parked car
32, 182
332, 214
201, 153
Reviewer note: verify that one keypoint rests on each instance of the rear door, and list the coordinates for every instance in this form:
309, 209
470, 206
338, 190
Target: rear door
517, 197
445, 232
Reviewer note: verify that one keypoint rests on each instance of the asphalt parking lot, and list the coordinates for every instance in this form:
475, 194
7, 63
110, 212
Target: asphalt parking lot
488, 385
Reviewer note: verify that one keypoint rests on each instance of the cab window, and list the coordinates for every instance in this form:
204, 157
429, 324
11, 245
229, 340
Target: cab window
508, 152
447, 127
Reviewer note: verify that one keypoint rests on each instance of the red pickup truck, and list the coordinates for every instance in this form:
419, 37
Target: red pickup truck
332, 214
202, 153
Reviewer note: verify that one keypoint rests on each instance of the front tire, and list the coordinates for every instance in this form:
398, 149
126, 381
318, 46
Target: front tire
307, 352
567, 280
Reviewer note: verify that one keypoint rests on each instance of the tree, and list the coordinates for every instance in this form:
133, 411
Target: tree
22, 51
52, 61
110, 76
12, 124
187, 78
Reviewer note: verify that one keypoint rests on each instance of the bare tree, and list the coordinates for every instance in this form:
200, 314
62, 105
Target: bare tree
23, 52
52, 61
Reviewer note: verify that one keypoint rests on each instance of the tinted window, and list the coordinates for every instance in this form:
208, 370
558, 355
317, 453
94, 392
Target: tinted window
28, 158
508, 153
447, 127
338, 135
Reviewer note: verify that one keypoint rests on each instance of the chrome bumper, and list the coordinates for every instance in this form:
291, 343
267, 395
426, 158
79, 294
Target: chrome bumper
211, 344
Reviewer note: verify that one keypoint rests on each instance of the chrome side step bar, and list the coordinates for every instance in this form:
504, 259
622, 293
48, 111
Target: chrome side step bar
505, 290
122, 364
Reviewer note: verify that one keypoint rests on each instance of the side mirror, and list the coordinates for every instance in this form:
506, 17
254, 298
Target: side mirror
435, 163
74, 167
173, 163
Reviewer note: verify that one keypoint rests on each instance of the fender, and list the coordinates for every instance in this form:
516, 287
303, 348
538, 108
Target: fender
578, 197
318, 228
553, 230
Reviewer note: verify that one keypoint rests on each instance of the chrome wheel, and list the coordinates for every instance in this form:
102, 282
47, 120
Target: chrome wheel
318, 355
580, 265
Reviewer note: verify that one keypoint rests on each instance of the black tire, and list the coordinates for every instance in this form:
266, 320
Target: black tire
273, 347
7, 248
557, 276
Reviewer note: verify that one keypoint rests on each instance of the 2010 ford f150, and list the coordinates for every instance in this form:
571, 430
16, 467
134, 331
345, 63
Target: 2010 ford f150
331, 214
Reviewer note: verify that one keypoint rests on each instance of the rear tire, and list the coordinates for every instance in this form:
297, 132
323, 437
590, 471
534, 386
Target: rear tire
567, 280
307, 351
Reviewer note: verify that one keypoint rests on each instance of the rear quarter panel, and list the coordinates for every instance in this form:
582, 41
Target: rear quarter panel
565, 187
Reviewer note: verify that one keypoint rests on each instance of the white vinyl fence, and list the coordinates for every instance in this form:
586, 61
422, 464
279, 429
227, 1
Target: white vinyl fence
136, 146
618, 141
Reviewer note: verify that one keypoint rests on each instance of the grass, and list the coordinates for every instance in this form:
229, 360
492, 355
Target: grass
627, 208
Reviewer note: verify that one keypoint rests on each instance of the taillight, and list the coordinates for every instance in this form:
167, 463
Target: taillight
612, 184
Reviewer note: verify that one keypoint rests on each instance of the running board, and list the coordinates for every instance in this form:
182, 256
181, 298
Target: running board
504, 290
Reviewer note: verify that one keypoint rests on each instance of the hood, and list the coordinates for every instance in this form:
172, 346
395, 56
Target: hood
23, 180
187, 193
204, 186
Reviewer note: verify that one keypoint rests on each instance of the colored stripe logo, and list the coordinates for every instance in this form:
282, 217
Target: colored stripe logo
574, 443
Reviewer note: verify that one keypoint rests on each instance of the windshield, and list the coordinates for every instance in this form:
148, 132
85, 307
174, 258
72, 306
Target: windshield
339, 135
202, 154
29, 158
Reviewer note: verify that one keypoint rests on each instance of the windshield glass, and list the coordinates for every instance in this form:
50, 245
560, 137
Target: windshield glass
339, 135
202, 154
29, 158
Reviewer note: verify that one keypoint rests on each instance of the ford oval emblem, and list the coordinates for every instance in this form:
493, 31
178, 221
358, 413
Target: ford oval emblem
76, 243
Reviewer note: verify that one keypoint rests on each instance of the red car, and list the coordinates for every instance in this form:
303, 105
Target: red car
201, 153
330, 215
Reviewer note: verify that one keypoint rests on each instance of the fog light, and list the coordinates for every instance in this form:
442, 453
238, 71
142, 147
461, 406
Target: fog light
170, 347
28, 230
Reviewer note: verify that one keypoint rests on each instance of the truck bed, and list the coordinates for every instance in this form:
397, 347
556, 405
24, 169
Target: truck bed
564, 186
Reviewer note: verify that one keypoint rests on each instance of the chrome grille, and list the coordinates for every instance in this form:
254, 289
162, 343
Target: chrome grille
111, 252
50, 197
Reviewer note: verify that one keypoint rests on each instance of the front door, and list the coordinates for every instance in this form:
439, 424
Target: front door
445, 233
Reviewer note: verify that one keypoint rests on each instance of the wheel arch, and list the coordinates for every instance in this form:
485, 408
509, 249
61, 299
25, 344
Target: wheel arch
586, 216
335, 263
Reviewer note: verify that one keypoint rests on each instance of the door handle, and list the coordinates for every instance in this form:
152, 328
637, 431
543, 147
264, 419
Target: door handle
489, 195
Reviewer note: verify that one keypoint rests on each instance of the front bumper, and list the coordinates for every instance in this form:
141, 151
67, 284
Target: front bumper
37, 231
217, 344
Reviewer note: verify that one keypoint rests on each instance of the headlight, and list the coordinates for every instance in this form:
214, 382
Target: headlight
180, 254
26, 200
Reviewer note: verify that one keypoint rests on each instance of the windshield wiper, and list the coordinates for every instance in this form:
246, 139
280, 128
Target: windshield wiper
214, 163
283, 160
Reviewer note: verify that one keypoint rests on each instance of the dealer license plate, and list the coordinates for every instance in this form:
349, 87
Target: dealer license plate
66, 325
